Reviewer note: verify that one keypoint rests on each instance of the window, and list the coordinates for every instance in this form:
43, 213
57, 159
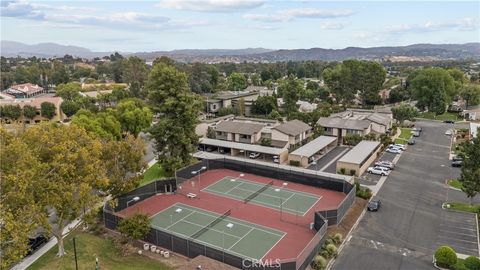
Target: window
328, 129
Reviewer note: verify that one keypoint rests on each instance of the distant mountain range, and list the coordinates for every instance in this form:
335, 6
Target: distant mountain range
416, 52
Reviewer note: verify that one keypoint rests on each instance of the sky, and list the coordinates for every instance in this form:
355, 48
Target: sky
136, 26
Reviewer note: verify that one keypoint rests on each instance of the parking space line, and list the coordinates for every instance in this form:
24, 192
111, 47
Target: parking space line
463, 228
456, 239
452, 232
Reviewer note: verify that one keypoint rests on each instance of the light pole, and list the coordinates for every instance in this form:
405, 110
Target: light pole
135, 199
229, 226
199, 172
280, 191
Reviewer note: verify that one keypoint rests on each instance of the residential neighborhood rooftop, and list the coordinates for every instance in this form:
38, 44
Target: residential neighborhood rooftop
360, 152
343, 123
243, 146
293, 127
239, 127
314, 146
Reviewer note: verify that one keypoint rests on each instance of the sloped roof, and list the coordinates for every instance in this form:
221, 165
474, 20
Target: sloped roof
379, 119
343, 123
360, 152
293, 127
239, 127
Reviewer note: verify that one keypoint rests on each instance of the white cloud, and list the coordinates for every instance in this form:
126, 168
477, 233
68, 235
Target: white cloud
464, 24
211, 5
332, 26
299, 13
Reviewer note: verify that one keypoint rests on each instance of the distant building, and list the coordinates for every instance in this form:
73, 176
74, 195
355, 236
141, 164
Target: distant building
26, 90
231, 99
34, 102
294, 132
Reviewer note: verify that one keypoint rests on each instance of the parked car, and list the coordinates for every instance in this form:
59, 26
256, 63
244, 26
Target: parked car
449, 121
457, 163
380, 167
416, 134
457, 158
385, 163
221, 151
448, 132
35, 243
254, 155
417, 129
276, 159
378, 171
374, 205
209, 149
394, 150
411, 141
399, 146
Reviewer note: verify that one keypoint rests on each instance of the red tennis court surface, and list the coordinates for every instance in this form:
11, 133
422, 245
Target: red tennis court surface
296, 227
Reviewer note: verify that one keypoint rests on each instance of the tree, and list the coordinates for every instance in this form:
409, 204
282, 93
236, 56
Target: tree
211, 133
123, 160
133, 116
69, 107
241, 106
266, 142
48, 109
174, 134
404, 112
29, 112
71, 170
274, 114
236, 82
352, 139
470, 176
472, 263
21, 212
135, 70
445, 256
433, 88
134, 227
471, 94
104, 125
318, 131
12, 112
264, 105
69, 91
290, 89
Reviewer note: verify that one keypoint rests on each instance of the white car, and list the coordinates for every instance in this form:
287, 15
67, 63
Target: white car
394, 150
378, 171
254, 155
381, 167
385, 163
276, 159
448, 132
400, 146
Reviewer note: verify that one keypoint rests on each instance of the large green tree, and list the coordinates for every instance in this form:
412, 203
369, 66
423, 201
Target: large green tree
471, 94
29, 112
48, 109
264, 105
69, 107
13, 112
174, 134
133, 115
290, 90
69, 91
104, 125
236, 82
433, 88
404, 112
470, 176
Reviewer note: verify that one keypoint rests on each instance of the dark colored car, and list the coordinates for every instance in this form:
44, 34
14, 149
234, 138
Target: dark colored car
374, 205
449, 121
411, 141
457, 163
35, 243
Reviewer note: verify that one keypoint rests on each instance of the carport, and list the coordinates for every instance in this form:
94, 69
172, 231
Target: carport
244, 149
320, 145
359, 158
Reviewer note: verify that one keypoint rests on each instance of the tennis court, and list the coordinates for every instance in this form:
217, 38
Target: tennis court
219, 231
281, 198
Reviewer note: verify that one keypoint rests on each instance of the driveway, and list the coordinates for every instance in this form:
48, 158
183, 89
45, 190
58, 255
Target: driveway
328, 162
408, 228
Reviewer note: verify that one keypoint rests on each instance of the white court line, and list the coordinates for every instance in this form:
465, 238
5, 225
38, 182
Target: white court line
251, 229
179, 220
210, 229
313, 205
238, 221
273, 246
260, 203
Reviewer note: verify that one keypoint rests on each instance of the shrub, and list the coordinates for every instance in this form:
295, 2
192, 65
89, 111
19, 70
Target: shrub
337, 238
319, 262
332, 250
342, 170
295, 163
329, 241
472, 263
445, 256
352, 172
134, 227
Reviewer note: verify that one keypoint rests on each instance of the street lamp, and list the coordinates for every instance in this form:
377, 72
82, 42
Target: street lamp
135, 199
198, 172
229, 226
280, 190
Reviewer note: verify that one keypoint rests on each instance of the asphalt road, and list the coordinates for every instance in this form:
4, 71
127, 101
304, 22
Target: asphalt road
410, 224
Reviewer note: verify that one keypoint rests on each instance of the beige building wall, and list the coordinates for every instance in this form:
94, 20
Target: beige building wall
358, 170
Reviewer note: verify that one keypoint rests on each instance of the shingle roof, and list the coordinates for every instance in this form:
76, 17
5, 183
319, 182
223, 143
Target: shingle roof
379, 119
343, 123
239, 127
293, 127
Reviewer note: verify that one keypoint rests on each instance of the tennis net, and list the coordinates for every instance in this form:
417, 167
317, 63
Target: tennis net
213, 223
255, 194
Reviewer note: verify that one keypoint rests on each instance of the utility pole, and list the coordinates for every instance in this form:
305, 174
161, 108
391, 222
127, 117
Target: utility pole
75, 252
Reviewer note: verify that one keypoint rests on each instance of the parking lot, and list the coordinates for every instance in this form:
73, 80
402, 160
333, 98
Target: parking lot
372, 179
459, 230
328, 162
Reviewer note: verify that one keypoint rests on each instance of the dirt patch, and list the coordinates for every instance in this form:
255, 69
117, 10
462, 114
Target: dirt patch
350, 218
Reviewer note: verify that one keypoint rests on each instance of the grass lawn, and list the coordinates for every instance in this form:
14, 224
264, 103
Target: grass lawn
465, 207
89, 247
441, 117
405, 134
153, 173
455, 183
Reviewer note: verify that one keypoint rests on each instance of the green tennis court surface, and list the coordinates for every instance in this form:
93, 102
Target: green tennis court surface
287, 200
237, 237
